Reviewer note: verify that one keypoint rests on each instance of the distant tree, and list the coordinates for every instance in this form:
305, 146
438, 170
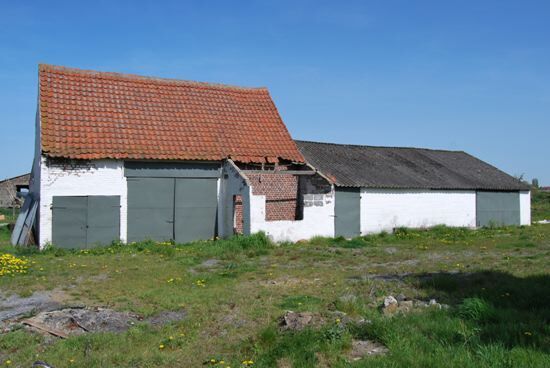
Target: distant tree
521, 178
535, 183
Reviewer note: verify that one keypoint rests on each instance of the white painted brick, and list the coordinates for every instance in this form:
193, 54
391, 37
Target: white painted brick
386, 209
317, 220
104, 177
525, 207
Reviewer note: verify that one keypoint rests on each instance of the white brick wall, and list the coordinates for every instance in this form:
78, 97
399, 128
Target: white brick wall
317, 220
385, 209
232, 184
525, 207
100, 177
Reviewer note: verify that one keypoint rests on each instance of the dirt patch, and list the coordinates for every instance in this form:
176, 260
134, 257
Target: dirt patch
297, 321
77, 321
15, 307
211, 264
166, 317
364, 348
68, 322
290, 282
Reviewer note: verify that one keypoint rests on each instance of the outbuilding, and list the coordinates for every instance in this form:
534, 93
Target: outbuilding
383, 188
12, 190
128, 158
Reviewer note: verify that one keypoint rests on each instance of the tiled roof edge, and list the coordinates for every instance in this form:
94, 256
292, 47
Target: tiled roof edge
135, 77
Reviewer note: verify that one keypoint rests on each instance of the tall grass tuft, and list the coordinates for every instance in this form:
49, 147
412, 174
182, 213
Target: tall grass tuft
476, 309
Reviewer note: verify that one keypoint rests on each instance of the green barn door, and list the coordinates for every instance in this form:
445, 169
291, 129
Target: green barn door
347, 212
83, 221
196, 209
497, 208
103, 220
69, 221
150, 209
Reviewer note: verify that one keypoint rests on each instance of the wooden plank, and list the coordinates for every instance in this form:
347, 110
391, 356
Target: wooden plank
43, 327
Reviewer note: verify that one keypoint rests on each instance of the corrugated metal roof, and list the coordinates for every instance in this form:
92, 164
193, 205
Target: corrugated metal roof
404, 168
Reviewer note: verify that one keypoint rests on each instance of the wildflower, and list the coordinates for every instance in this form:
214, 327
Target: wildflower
337, 320
527, 333
248, 363
161, 346
8, 362
11, 265
71, 360
170, 280
200, 283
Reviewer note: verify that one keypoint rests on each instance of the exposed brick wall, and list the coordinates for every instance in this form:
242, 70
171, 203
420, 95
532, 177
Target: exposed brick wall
281, 191
238, 208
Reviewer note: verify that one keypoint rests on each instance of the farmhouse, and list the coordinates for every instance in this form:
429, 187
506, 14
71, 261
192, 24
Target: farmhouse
382, 188
129, 158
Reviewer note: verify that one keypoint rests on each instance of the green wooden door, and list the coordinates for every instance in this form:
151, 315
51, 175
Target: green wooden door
103, 220
196, 207
69, 221
347, 212
85, 221
497, 208
172, 200
150, 209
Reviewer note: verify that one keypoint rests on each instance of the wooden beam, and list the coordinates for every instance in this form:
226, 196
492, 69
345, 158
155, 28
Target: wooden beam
290, 172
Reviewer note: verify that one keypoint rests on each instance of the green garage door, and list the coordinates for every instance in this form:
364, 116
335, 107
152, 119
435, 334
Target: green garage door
84, 221
497, 208
196, 209
183, 209
150, 209
347, 212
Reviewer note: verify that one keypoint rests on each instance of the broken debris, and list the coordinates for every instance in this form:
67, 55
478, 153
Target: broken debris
76, 321
364, 348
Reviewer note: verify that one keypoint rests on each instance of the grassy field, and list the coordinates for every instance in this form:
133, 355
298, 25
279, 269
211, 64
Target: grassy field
540, 205
496, 282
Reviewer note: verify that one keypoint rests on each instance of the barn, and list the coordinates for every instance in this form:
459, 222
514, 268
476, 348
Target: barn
383, 188
128, 158
11, 189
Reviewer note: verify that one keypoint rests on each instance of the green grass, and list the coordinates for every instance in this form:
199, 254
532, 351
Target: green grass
540, 205
10, 214
496, 282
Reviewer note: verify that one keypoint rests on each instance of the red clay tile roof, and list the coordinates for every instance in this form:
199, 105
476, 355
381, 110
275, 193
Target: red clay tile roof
93, 115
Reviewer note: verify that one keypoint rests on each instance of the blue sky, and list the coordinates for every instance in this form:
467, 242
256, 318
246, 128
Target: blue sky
462, 75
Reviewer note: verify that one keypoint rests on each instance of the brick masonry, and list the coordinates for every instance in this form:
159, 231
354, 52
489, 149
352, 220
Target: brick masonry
281, 193
238, 210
